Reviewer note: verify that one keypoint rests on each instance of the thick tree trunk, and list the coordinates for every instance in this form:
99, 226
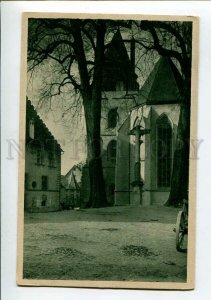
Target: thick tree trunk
92, 107
180, 171
97, 196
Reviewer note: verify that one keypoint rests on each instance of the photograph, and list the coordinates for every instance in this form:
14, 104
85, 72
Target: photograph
108, 126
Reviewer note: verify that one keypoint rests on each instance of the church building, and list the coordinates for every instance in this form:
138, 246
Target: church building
138, 127
146, 139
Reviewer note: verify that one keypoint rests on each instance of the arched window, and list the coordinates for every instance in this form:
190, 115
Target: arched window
112, 118
164, 151
111, 150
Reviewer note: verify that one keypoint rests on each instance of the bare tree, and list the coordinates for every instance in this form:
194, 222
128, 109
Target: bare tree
76, 49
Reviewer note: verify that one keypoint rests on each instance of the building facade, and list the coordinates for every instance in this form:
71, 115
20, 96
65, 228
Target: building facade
42, 165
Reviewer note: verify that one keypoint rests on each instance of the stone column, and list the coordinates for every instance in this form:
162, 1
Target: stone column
137, 184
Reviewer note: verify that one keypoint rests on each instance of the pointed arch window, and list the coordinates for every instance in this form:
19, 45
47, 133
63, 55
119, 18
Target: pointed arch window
112, 118
111, 150
164, 151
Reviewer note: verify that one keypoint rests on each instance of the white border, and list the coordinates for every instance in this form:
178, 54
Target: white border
11, 41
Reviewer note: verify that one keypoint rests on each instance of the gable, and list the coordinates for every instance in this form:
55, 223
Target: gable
164, 84
42, 134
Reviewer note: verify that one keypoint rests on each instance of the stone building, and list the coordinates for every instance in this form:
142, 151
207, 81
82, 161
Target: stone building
138, 128
42, 165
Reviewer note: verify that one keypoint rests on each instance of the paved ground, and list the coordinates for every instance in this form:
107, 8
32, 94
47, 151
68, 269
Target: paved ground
114, 243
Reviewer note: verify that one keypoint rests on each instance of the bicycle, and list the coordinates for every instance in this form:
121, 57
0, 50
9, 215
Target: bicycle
182, 228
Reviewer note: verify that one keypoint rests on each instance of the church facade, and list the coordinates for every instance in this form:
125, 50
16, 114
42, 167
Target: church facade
138, 128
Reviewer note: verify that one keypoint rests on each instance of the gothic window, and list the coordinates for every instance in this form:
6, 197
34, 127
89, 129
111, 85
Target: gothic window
111, 150
164, 151
31, 128
112, 118
44, 183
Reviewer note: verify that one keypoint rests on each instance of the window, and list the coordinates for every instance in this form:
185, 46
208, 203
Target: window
112, 118
34, 184
164, 151
111, 150
44, 183
51, 159
44, 200
40, 158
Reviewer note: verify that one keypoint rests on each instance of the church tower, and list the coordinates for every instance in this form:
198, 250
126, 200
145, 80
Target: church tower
119, 87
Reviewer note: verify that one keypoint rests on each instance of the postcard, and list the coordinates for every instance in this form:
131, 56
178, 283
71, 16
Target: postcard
108, 122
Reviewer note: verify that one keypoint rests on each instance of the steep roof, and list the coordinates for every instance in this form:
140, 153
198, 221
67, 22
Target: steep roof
64, 182
116, 51
41, 133
118, 66
73, 177
73, 183
164, 84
